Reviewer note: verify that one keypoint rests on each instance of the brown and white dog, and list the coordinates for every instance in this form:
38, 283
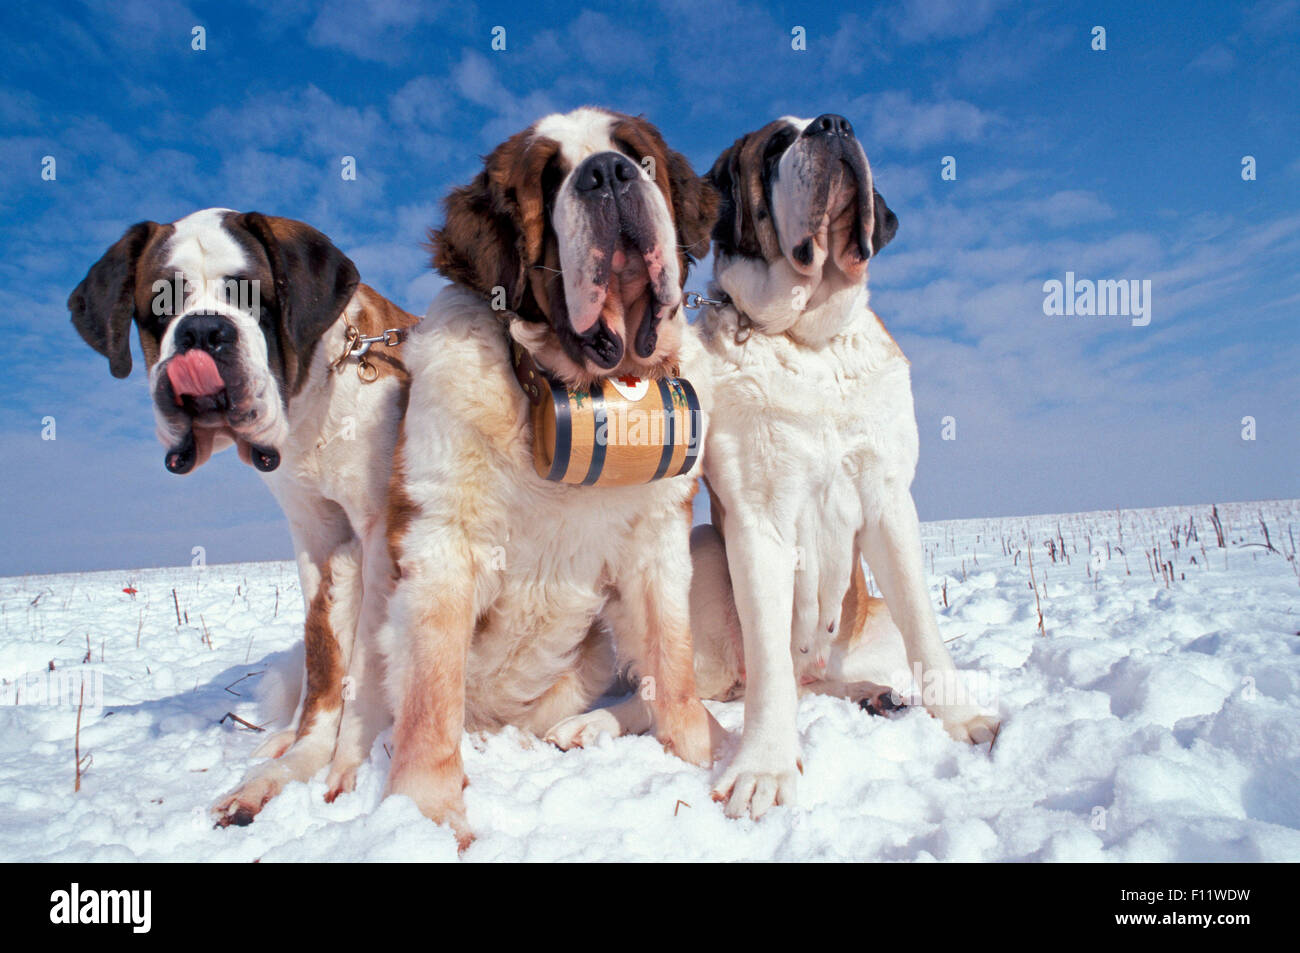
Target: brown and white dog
810, 456
240, 317
518, 599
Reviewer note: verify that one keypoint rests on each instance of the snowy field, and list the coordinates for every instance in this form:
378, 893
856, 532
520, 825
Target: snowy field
1155, 717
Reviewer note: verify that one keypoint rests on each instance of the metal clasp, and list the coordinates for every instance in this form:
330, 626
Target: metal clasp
390, 338
357, 345
691, 300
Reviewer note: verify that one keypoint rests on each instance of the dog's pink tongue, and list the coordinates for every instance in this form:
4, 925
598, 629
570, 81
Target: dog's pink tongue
194, 373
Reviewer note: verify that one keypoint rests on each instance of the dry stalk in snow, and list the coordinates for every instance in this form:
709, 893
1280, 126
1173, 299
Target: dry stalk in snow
1032, 582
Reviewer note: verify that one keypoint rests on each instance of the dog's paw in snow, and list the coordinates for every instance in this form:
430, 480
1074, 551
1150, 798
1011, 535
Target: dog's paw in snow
342, 779
969, 725
299, 762
439, 794
242, 805
583, 731
880, 701
751, 786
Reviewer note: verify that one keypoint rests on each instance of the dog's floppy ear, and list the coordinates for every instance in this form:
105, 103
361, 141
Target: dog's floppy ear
695, 208
885, 224
103, 305
313, 283
479, 242
725, 179
495, 226
693, 199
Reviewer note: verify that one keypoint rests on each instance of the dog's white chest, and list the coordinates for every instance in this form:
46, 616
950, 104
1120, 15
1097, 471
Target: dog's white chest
803, 445
820, 424
549, 586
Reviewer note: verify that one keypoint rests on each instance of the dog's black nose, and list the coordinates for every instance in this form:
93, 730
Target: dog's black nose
602, 172
829, 124
206, 331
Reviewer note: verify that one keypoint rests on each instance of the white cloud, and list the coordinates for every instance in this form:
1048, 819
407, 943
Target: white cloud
919, 20
1216, 58
1067, 207
612, 47
1270, 19
154, 23
898, 120
1012, 53
421, 102
379, 30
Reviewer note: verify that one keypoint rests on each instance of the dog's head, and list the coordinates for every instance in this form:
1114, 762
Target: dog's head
798, 198
229, 308
583, 225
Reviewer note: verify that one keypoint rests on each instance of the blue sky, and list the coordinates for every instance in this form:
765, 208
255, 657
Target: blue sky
1117, 164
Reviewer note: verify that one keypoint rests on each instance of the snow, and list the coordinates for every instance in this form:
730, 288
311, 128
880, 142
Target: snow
1150, 721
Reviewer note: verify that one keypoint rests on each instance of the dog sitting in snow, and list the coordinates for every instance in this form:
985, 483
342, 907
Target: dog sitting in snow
811, 450
254, 331
519, 596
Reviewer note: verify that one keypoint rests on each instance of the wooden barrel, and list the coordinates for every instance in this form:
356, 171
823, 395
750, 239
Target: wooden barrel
618, 432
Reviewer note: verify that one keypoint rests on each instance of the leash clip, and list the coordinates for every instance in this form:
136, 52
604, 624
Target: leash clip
390, 338
360, 346
692, 300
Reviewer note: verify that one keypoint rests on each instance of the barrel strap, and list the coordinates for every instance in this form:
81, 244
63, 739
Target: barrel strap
670, 437
598, 420
693, 418
535, 381
563, 433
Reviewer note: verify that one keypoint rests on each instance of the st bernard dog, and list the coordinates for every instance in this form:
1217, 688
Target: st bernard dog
254, 330
519, 599
811, 451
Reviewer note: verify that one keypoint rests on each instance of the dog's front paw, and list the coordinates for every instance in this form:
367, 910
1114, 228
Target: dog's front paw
968, 724
879, 701
242, 805
437, 792
342, 779
583, 731
752, 784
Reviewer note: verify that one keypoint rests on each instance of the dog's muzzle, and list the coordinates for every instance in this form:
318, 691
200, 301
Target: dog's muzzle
842, 194
622, 280
199, 375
